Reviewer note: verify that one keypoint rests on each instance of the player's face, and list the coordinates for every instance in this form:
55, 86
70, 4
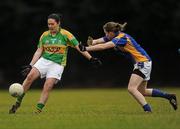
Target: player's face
53, 25
110, 35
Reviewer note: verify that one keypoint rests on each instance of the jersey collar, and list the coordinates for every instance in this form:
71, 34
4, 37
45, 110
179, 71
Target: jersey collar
56, 33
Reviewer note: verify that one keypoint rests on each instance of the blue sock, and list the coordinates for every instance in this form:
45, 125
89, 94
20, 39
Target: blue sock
158, 93
147, 108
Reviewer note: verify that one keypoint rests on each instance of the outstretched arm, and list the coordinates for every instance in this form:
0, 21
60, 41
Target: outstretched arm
98, 41
95, 62
92, 41
97, 47
85, 53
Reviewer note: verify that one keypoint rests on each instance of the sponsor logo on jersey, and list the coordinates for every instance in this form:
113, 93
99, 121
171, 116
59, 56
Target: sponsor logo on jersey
47, 42
53, 40
55, 49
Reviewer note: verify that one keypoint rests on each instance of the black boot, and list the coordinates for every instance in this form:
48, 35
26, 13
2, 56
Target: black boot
14, 108
173, 101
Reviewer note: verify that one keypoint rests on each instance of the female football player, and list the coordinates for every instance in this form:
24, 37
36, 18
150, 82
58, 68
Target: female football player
137, 87
49, 60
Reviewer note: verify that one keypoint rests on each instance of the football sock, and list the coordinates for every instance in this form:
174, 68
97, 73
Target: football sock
19, 98
147, 108
159, 93
39, 106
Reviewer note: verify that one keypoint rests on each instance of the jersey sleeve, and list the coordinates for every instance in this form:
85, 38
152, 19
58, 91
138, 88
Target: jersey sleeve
105, 38
119, 41
41, 39
72, 41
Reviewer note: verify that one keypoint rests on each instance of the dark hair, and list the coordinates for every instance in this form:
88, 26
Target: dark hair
55, 16
114, 27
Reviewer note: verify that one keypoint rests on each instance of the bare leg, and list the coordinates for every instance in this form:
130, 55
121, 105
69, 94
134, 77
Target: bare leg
134, 83
49, 83
143, 89
158, 93
33, 75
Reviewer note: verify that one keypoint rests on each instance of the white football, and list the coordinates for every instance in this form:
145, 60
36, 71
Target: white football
16, 89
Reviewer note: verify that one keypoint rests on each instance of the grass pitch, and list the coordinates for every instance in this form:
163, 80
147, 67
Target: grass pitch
88, 109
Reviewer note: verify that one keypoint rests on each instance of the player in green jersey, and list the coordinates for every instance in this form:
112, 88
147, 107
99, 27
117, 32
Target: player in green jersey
49, 60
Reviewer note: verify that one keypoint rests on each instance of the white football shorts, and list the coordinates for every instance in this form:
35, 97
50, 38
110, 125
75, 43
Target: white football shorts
145, 68
49, 69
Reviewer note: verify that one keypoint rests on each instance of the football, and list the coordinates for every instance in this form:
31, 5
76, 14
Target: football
16, 89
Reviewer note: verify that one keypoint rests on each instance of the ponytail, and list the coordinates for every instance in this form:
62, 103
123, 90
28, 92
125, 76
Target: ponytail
122, 26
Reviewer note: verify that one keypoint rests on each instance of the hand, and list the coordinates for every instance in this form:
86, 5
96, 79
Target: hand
26, 70
95, 62
82, 47
90, 41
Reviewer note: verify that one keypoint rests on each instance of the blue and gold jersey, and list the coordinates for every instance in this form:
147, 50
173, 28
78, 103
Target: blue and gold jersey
128, 45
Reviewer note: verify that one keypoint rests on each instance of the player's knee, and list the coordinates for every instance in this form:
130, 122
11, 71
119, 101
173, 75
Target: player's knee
47, 86
131, 89
142, 91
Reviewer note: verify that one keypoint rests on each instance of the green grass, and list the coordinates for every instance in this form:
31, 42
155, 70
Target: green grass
89, 109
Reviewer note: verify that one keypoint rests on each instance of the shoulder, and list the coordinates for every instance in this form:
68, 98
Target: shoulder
120, 35
45, 33
67, 33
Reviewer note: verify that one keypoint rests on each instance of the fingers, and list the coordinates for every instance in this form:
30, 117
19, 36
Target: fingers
26, 66
82, 47
26, 70
89, 41
95, 62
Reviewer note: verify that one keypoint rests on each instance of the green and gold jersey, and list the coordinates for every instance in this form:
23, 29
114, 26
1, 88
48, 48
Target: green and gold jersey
55, 48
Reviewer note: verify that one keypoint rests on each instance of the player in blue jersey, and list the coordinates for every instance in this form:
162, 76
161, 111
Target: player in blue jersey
137, 87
